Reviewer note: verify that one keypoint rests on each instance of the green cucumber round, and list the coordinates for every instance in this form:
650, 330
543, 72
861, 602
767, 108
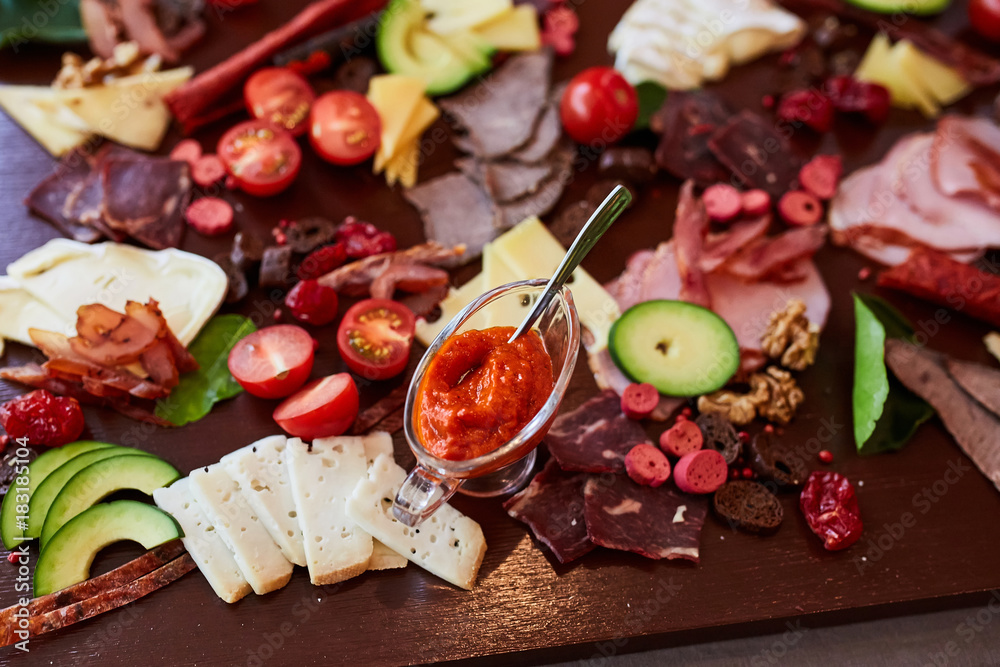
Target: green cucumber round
678, 347
917, 7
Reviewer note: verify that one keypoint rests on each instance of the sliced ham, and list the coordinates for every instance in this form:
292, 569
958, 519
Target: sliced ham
552, 506
966, 159
720, 247
652, 522
690, 228
770, 257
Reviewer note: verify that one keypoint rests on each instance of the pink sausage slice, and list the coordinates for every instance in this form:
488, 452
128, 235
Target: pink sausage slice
682, 438
647, 465
703, 471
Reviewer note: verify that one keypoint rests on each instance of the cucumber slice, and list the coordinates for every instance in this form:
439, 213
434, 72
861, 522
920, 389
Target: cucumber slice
678, 347
917, 7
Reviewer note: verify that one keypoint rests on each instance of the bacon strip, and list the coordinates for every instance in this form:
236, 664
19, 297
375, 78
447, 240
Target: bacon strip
690, 228
356, 278
976, 67
936, 277
196, 96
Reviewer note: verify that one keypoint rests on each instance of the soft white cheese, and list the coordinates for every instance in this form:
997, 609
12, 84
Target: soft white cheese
202, 541
322, 476
448, 544
44, 288
260, 470
256, 554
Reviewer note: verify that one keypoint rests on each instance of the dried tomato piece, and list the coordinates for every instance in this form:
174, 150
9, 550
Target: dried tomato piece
42, 418
831, 509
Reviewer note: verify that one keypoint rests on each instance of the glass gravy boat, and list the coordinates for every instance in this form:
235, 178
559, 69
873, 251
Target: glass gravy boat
505, 469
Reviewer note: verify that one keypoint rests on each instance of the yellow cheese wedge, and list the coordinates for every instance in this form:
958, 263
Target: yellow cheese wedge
450, 16
941, 82
515, 30
129, 110
38, 111
421, 118
403, 167
395, 97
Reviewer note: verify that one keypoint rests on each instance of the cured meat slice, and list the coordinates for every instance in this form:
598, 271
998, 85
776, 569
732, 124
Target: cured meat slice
756, 153
146, 198
48, 199
552, 506
965, 159
652, 522
595, 437
690, 228
408, 277
608, 376
979, 381
768, 257
936, 277
547, 134
499, 114
975, 429
357, 278
686, 122
720, 247
507, 181
545, 196
455, 211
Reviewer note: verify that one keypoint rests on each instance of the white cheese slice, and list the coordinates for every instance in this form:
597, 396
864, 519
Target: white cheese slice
202, 541
448, 544
322, 476
256, 554
260, 470
129, 110
46, 123
20, 311
64, 275
382, 558
531, 251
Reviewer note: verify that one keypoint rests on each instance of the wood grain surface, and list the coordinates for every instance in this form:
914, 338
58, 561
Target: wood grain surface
525, 603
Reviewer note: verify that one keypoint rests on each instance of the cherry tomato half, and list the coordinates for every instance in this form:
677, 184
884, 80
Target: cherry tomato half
984, 15
263, 159
375, 337
323, 408
281, 97
345, 127
599, 105
273, 362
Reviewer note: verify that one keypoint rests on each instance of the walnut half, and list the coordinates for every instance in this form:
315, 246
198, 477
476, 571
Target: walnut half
790, 337
774, 395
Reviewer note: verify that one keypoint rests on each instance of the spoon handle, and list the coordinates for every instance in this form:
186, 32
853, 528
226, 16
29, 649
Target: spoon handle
599, 222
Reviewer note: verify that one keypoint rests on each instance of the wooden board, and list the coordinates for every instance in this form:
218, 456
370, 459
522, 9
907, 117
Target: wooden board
525, 603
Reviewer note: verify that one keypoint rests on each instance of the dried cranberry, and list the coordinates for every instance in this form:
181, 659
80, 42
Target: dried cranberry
807, 106
312, 303
43, 419
849, 95
831, 509
321, 261
363, 239
560, 24
826, 456
14, 557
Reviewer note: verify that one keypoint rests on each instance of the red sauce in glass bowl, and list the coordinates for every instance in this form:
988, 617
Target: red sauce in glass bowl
479, 391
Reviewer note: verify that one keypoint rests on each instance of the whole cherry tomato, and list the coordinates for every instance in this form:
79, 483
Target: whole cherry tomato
984, 15
281, 97
345, 128
599, 105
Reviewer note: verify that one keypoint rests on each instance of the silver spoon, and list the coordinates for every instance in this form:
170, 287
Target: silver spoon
599, 222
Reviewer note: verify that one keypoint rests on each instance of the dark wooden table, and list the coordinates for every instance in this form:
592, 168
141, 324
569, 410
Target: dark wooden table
525, 603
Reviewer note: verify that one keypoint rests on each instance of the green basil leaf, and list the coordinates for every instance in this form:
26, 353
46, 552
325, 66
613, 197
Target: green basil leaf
886, 414
651, 97
199, 390
23, 21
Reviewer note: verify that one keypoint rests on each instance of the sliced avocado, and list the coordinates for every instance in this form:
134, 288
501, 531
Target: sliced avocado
405, 47
678, 347
68, 557
50, 487
917, 7
470, 47
37, 471
101, 479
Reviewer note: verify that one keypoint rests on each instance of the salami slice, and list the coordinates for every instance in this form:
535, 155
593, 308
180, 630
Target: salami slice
655, 522
595, 437
552, 506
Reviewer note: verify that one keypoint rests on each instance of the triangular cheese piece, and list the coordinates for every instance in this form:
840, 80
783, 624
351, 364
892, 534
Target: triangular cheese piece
44, 123
395, 97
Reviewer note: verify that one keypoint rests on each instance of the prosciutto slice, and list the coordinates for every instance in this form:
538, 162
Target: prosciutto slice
769, 257
552, 506
720, 247
690, 228
595, 437
652, 522
965, 160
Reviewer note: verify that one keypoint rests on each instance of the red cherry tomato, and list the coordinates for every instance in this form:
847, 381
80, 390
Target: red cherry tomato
273, 362
345, 127
984, 15
262, 158
322, 408
281, 97
375, 337
599, 105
